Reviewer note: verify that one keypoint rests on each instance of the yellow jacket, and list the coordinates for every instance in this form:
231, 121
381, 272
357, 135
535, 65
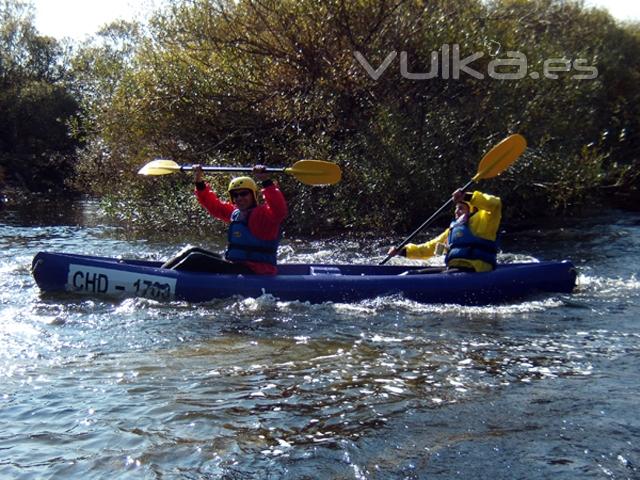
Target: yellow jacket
484, 223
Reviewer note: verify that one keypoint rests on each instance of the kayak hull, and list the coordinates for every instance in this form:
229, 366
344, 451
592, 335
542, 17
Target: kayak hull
315, 283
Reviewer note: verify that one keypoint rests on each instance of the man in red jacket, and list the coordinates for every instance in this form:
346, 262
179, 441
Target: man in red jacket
254, 228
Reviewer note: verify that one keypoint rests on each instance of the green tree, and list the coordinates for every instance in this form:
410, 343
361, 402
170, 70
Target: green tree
36, 149
274, 81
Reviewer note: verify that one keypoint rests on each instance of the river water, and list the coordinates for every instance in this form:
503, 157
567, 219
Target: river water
257, 388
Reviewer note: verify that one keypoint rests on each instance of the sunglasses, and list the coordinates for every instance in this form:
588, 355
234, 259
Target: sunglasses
240, 193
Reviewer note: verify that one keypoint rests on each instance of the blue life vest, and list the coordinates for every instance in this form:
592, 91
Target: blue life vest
464, 244
245, 246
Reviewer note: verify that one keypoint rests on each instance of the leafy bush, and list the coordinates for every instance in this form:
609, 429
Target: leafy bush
272, 81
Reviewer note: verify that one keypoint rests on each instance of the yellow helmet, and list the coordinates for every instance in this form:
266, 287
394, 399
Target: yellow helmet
242, 183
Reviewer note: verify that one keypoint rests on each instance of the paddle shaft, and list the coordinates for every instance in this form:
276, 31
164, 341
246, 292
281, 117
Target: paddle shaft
426, 222
209, 168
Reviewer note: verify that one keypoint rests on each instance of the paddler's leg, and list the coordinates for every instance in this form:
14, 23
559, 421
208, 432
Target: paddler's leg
203, 261
184, 253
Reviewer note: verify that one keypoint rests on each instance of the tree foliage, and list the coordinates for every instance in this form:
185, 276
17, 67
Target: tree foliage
273, 81
36, 106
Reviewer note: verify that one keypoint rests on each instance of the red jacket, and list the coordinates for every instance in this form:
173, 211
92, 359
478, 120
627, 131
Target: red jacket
264, 221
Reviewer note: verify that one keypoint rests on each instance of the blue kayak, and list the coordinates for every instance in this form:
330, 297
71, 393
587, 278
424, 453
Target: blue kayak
315, 283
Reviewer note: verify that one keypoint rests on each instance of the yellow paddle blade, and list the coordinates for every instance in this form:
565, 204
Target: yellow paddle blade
500, 157
315, 172
160, 167
310, 172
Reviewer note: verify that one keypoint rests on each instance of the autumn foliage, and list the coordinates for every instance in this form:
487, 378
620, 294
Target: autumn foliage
275, 81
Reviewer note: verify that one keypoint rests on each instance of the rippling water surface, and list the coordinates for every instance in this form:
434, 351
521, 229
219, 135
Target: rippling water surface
257, 388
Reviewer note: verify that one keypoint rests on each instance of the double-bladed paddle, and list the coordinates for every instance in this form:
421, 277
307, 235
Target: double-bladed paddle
492, 164
309, 172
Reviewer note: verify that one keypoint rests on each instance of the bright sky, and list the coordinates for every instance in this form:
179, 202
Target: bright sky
78, 19
620, 9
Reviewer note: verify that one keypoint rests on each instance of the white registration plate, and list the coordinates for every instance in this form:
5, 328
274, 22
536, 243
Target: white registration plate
86, 279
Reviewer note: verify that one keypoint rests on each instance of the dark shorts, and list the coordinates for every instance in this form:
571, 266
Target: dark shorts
194, 259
